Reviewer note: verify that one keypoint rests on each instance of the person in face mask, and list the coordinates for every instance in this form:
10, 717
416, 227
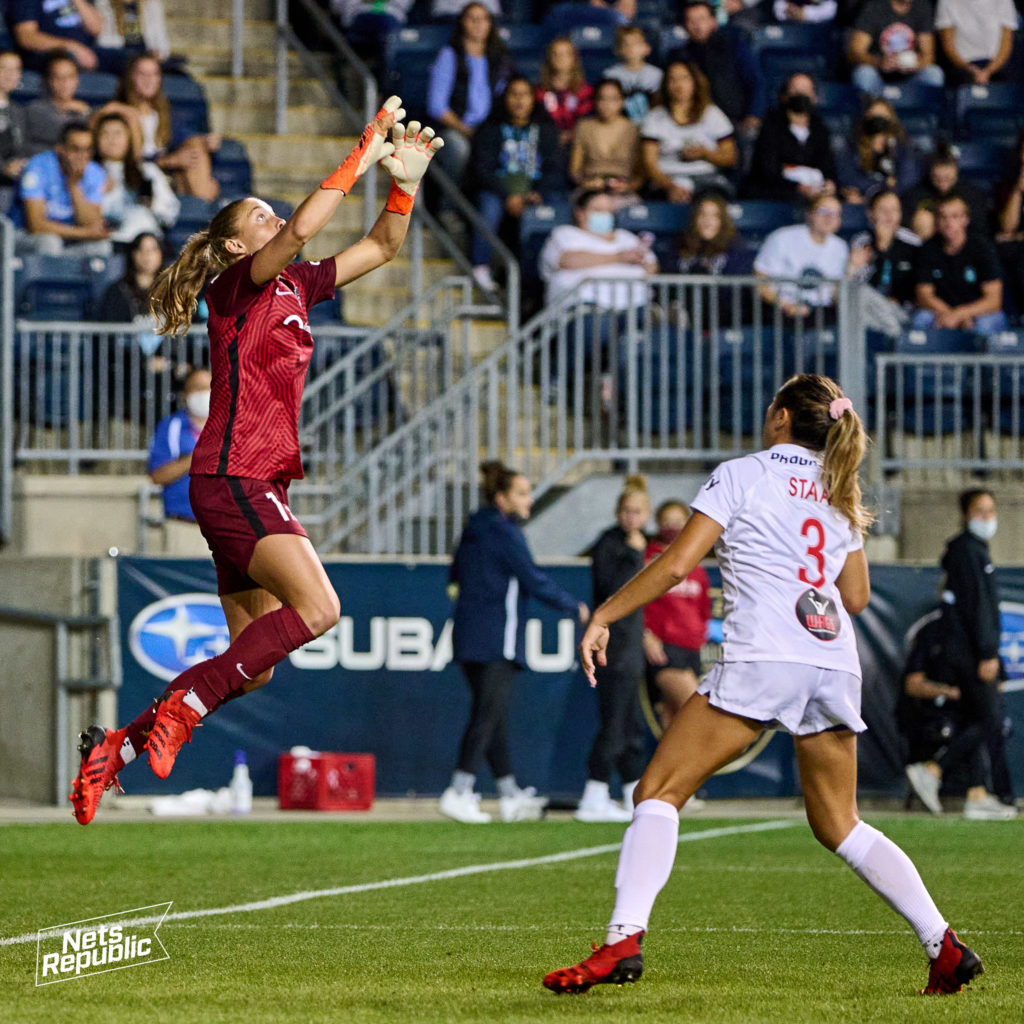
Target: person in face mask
793, 158
676, 624
971, 630
170, 457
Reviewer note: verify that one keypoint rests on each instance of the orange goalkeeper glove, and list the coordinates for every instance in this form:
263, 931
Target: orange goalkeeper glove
371, 147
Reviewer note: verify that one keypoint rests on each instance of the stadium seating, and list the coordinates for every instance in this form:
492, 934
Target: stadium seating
791, 46
940, 394
921, 108
669, 38
665, 221
408, 54
988, 111
1007, 383
984, 162
96, 87
29, 88
63, 287
535, 225
562, 18
596, 46
839, 105
188, 104
757, 218
232, 169
526, 44
745, 359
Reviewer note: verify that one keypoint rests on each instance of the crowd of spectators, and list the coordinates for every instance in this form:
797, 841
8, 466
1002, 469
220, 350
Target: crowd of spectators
689, 107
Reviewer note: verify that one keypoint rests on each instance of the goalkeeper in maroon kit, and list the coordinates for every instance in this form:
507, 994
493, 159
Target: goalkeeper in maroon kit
275, 593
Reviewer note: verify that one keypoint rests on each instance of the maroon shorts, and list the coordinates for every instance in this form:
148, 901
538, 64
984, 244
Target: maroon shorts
233, 513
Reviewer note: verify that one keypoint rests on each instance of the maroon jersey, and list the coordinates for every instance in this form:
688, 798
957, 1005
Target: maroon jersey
260, 347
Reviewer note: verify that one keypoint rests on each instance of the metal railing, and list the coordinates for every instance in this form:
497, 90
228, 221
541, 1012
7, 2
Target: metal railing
6, 378
948, 412
686, 375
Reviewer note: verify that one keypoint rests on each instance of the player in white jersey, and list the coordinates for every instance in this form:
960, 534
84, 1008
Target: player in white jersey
787, 525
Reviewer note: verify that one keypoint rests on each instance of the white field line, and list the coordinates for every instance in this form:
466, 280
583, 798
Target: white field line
437, 876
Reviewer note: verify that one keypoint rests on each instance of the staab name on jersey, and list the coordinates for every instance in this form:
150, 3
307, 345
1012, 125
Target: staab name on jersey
808, 490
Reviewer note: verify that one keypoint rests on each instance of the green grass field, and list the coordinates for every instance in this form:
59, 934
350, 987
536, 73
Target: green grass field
763, 926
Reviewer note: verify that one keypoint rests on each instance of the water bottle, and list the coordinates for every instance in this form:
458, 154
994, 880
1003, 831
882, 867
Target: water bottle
241, 786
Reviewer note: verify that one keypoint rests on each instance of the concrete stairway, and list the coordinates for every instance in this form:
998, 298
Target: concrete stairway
289, 166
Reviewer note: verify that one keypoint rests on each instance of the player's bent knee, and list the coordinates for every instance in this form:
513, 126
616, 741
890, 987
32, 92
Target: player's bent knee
323, 614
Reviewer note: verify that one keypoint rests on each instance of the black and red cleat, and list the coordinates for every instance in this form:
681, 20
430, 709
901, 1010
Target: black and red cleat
953, 968
101, 761
173, 727
607, 965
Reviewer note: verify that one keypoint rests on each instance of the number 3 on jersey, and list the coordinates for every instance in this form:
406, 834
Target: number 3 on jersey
815, 534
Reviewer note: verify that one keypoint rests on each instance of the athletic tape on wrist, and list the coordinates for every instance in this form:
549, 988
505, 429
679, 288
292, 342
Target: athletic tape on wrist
399, 201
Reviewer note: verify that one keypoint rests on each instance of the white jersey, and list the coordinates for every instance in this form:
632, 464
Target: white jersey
781, 548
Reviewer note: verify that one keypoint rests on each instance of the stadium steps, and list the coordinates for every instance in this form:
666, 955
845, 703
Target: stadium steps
286, 167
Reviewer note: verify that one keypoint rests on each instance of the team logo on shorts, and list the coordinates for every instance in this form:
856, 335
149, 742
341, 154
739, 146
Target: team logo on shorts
818, 614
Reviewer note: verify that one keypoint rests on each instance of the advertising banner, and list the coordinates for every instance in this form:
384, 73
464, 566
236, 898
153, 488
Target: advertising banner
382, 681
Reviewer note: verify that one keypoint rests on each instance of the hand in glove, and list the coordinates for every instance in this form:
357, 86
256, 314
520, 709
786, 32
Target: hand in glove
413, 149
371, 147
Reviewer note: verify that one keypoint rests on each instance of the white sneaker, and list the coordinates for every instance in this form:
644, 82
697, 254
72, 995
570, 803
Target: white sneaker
988, 808
464, 807
925, 785
524, 806
609, 810
483, 278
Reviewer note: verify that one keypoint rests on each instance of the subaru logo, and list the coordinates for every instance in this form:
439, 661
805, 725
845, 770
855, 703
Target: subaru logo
177, 632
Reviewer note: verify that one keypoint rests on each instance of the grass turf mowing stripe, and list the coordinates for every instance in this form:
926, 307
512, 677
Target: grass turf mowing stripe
436, 876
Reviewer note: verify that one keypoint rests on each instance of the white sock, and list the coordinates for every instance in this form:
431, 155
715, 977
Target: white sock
595, 794
195, 703
463, 782
627, 794
507, 786
891, 873
645, 863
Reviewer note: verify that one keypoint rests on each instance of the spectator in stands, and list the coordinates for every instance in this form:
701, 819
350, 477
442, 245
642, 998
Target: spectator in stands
959, 281
468, 74
170, 456
515, 162
47, 115
59, 199
687, 144
1009, 228
883, 258
14, 148
641, 82
142, 102
614, 262
793, 155
367, 24
724, 56
976, 38
881, 156
811, 11
941, 180
564, 91
39, 26
127, 301
606, 147
893, 41
747, 15
133, 27
138, 197
808, 252
708, 245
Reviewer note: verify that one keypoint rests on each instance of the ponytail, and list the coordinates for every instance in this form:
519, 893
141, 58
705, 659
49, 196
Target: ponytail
497, 478
175, 293
823, 419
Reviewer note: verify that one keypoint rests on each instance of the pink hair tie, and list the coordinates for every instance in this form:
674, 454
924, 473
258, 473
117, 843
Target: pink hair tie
838, 406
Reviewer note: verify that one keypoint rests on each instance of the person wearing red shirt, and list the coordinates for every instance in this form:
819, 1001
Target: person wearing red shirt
563, 91
676, 624
275, 593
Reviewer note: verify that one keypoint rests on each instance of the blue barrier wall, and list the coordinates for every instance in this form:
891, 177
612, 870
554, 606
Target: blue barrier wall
382, 681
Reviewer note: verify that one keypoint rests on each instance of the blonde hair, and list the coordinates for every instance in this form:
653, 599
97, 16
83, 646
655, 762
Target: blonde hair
842, 441
577, 79
175, 293
636, 483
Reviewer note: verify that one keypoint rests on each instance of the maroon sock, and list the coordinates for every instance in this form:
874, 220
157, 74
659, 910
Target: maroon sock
261, 645
137, 732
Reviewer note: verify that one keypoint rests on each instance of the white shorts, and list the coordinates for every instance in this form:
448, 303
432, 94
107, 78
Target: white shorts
801, 699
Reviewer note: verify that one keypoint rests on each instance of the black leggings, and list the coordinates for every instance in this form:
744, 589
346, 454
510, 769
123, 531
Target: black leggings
619, 743
978, 721
486, 734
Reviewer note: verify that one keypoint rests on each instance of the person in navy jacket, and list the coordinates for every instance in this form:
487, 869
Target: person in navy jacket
496, 577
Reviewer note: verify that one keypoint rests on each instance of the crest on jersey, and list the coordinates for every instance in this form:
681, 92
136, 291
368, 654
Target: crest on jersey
818, 614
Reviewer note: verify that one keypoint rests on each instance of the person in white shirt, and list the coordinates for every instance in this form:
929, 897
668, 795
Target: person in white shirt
787, 526
976, 37
810, 252
612, 261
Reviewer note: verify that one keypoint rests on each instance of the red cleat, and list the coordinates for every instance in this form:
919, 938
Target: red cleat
173, 727
953, 968
607, 965
101, 761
